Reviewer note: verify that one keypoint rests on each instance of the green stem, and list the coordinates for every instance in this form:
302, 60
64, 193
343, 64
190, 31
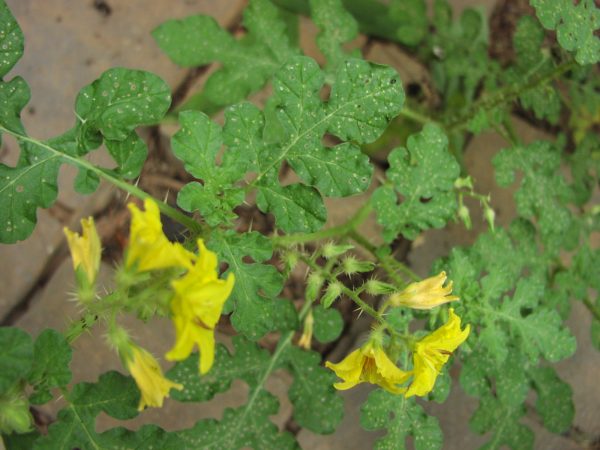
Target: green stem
339, 231
592, 308
416, 116
167, 210
282, 345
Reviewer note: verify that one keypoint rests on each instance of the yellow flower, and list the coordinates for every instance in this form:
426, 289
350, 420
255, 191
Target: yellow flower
425, 294
149, 248
369, 364
146, 372
433, 351
196, 308
85, 249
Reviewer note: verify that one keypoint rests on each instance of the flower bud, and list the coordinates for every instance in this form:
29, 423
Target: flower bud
425, 294
86, 251
351, 265
333, 291
465, 216
313, 286
331, 250
376, 287
490, 216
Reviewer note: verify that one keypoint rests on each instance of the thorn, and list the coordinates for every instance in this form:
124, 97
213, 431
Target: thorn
251, 224
166, 196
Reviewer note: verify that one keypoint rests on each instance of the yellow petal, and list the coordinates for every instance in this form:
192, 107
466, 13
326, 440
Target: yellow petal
86, 249
425, 294
349, 369
388, 370
146, 372
149, 248
433, 351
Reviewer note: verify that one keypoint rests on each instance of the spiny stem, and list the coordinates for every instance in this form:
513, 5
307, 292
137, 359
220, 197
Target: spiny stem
167, 210
346, 291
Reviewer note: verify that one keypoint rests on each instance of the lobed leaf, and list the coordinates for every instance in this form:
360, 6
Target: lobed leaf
336, 25
257, 310
240, 429
317, 407
402, 418
110, 108
503, 423
16, 356
576, 26
246, 64
554, 403
247, 362
11, 40
51, 358
114, 394
424, 174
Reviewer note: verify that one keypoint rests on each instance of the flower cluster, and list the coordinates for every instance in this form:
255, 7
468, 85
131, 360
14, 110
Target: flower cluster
371, 364
198, 295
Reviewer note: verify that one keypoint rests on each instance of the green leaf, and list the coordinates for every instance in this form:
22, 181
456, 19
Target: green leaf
147, 437
336, 25
512, 384
554, 403
16, 441
257, 310
14, 95
474, 372
503, 422
52, 356
411, 19
545, 330
542, 192
247, 362
424, 174
246, 64
240, 429
11, 40
129, 154
112, 106
296, 207
575, 25
114, 394
121, 100
317, 406
197, 144
16, 356
328, 324
403, 418
531, 59
31, 184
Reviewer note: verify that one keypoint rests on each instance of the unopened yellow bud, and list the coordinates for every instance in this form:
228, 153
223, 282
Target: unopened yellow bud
85, 249
425, 294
